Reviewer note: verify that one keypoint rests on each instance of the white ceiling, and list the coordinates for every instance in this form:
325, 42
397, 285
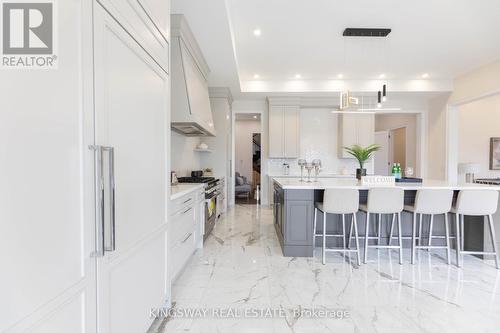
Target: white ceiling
443, 38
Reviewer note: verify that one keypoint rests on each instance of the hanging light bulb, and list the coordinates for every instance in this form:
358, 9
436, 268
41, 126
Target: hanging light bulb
379, 99
384, 93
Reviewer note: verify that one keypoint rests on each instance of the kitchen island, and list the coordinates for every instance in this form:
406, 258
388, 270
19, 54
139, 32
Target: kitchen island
294, 213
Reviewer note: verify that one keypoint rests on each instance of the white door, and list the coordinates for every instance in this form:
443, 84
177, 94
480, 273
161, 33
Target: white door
382, 163
47, 275
131, 105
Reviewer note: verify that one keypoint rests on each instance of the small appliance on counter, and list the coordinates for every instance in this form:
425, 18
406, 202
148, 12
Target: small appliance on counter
173, 178
469, 170
286, 169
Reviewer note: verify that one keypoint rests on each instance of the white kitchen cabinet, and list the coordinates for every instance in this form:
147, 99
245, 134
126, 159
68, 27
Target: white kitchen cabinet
291, 115
184, 230
276, 132
59, 274
355, 129
148, 21
284, 131
47, 280
131, 117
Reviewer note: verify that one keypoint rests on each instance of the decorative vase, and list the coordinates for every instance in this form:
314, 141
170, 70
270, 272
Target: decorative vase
360, 173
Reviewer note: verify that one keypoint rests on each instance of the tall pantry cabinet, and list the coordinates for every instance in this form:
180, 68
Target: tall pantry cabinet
83, 200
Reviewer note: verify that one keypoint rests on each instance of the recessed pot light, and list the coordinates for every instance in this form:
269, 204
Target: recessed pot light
257, 32
425, 76
256, 76
298, 76
382, 76
340, 76
254, 117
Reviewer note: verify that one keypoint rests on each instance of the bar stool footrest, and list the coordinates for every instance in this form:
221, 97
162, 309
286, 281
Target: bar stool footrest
405, 237
329, 235
340, 250
479, 252
384, 246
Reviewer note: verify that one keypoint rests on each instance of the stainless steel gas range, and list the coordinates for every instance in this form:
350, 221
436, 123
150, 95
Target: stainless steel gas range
212, 194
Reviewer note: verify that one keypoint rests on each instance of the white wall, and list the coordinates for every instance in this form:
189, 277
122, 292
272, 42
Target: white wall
474, 85
386, 122
184, 159
218, 160
436, 138
243, 146
479, 82
478, 122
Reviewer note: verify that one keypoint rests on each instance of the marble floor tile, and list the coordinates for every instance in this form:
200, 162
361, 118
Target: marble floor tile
241, 268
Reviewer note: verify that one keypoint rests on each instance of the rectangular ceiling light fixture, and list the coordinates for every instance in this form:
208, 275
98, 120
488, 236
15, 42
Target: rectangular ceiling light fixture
366, 32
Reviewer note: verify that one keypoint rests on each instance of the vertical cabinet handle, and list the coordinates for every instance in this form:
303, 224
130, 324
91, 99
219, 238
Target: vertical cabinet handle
111, 175
100, 188
99, 201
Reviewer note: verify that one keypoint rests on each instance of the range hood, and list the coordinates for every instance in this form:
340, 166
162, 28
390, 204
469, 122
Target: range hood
191, 112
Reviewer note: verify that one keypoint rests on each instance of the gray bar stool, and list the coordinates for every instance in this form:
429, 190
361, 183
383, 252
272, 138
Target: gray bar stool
429, 202
341, 202
475, 203
384, 200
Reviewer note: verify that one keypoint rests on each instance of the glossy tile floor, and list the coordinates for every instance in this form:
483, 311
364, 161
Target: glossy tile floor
241, 267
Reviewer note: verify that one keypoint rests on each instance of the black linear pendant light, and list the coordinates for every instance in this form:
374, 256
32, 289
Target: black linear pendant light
384, 93
379, 99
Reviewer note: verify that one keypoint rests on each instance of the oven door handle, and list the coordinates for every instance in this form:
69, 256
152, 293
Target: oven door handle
211, 197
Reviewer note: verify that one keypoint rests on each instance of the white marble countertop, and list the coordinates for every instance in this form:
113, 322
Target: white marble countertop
177, 191
325, 183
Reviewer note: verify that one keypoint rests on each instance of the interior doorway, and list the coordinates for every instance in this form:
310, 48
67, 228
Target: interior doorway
397, 138
248, 158
396, 133
393, 150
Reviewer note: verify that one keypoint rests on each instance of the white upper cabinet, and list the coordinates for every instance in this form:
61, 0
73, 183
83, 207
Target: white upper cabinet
355, 129
291, 115
284, 130
148, 22
276, 131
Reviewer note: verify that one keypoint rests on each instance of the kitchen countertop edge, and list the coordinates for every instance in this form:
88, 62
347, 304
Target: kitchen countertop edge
179, 190
289, 184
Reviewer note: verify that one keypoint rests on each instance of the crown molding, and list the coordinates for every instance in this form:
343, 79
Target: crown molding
221, 92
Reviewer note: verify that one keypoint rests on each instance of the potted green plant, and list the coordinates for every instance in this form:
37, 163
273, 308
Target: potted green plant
362, 154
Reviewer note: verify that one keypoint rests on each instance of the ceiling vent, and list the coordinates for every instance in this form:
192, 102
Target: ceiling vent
366, 32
